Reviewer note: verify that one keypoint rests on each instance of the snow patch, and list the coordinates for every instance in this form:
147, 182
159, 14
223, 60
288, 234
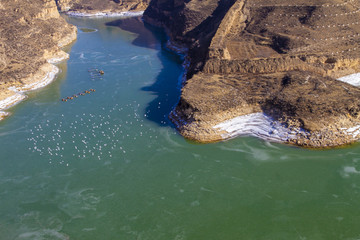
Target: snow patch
353, 79
258, 125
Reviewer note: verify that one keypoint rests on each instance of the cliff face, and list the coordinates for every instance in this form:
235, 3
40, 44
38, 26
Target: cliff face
31, 35
276, 57
191, 24
94, 6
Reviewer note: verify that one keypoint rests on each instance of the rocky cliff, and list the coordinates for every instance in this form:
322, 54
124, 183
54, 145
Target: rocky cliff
278, 58
31, 36
95, 6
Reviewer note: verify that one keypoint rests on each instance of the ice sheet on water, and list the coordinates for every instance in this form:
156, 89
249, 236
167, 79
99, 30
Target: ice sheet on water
347, 171
43, 234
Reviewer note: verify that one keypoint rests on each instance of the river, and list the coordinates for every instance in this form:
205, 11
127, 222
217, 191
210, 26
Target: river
110, 165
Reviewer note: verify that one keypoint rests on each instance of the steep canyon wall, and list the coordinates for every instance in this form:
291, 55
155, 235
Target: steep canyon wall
32, 34
276, 57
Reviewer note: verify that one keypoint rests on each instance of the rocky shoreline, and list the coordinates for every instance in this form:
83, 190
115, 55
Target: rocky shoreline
262, 126
234, 116
41, 78
253, 67
32, 40
24, 78
250, 75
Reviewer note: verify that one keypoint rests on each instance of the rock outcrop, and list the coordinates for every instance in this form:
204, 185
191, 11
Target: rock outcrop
278, 57
31, 36
105, 6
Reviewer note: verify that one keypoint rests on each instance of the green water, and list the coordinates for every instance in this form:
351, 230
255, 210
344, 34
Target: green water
109, 165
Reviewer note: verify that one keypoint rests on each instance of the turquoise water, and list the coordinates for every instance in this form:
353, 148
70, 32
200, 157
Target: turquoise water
109, 165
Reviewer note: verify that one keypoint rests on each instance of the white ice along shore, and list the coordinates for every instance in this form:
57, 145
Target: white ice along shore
3, 115
257, 125
46, 79
11, 101
262, 126
105, 14
47, 75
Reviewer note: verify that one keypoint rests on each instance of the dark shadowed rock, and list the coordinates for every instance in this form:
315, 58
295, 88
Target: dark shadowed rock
278, 57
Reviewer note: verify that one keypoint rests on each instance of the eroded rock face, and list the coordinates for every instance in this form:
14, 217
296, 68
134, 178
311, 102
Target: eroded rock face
323, 107
94, 6
277, 57
189, 23
31, 33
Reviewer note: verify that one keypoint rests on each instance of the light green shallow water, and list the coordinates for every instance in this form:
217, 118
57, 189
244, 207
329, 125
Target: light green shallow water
109, 165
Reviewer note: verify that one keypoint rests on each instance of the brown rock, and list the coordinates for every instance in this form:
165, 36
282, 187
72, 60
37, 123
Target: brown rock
280, 57
30, 34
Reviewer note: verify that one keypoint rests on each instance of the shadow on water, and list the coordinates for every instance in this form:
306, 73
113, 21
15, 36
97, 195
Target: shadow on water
166, 87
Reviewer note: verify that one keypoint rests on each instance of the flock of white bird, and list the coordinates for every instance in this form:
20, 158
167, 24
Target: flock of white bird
101, 135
